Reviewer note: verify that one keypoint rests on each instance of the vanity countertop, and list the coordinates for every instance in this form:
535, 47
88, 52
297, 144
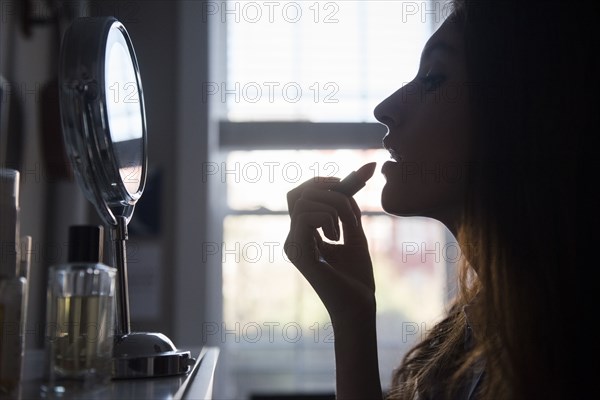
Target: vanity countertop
196, 384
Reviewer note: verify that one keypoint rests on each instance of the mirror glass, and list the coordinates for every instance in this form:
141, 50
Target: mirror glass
124, 111
103, 117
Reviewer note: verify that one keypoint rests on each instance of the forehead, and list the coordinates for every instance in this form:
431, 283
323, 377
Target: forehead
447, 36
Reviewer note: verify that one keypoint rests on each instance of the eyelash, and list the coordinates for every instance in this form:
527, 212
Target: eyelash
432, 82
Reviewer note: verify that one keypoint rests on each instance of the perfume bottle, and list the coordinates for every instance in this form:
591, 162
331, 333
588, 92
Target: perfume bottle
13, 286
81, 311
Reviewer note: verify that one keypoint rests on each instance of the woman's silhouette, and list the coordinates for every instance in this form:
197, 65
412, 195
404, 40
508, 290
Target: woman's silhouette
520, 73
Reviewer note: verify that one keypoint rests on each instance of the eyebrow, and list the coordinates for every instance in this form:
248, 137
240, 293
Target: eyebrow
437, 45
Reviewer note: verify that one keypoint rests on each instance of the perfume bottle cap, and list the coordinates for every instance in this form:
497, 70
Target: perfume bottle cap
9, 186
86, 243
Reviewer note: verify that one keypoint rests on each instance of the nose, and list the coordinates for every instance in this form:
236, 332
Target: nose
394, 110
384, 112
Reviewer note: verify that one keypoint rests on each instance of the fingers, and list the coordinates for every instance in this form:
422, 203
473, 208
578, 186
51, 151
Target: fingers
303, 242
323, 183
338, 201
340, 205
315, 196
328, 251
354, 233
302, 249
322, 263
315, 215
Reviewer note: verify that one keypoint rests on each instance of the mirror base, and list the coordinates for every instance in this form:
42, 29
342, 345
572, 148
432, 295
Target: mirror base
145, 355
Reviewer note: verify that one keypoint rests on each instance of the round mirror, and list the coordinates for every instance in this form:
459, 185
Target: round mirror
103, 117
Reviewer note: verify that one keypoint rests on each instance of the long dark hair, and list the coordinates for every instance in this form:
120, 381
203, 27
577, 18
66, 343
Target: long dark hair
525, 63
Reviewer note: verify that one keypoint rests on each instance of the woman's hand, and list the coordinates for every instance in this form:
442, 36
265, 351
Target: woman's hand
341, 274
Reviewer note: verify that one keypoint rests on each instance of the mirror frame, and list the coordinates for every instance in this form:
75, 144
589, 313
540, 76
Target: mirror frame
84, 114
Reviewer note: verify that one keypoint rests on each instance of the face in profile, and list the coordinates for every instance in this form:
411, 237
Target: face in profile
428, 128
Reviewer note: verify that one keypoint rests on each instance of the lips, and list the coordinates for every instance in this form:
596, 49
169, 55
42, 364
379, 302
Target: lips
391, 167
390, 145
395, 155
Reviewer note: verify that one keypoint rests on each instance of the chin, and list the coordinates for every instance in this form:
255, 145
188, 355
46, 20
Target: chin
401, 198
392, 203
408, 202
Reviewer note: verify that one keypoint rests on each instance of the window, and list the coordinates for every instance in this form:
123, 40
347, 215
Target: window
293, 89
318, 61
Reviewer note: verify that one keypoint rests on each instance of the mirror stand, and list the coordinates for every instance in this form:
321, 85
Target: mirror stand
119, 237
139, 354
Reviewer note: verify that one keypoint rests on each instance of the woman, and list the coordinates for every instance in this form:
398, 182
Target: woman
516, 106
